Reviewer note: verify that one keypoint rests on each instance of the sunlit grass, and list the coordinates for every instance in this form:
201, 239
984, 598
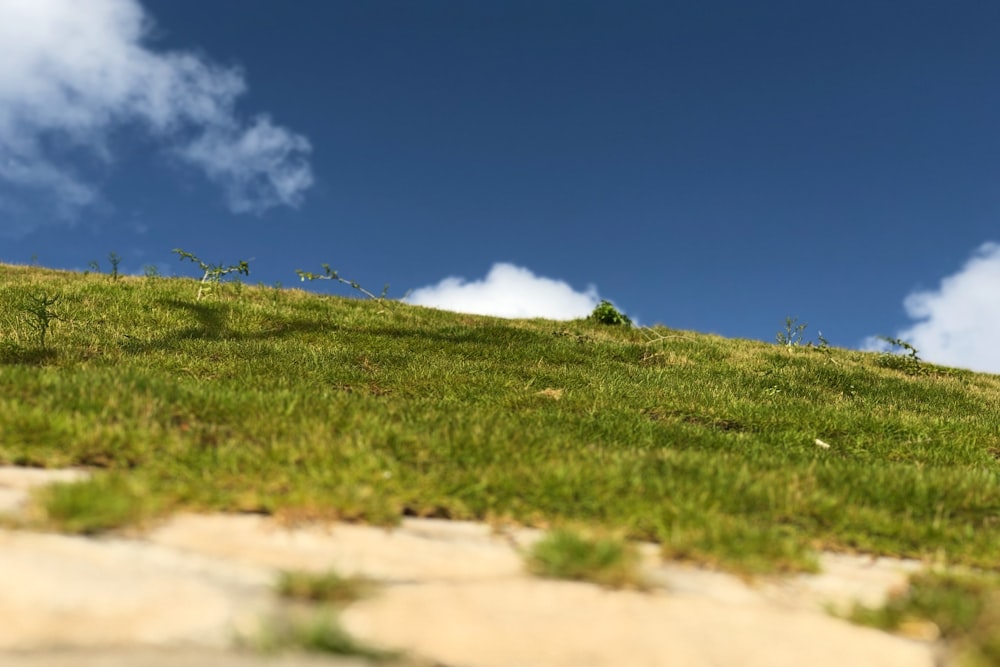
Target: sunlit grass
286, 402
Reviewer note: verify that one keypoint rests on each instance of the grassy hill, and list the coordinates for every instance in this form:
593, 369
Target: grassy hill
737, 453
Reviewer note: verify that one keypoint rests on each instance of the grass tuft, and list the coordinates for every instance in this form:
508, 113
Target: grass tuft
568, 554
95, 505
314, 631
963, 608
323, 587
741, 547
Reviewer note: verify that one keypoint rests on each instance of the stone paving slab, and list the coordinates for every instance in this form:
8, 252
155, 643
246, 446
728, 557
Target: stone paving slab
71, 591
419, 549
16, 483
190, 657
453, 593
561, 624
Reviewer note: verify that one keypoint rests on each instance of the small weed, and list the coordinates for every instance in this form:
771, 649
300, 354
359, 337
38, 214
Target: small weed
907, 361
653, 337
213, 273
330, 274
823, 346
567, 554
323, 587
151, 271
606, 313
92, 265
115, 259
38, 306
792, 335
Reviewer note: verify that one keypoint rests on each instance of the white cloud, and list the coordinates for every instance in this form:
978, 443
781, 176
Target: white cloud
508, 291
261, 166
958, 324
72, 72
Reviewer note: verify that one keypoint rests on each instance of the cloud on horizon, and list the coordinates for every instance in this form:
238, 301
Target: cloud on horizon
959, 322
71, 73
508, 291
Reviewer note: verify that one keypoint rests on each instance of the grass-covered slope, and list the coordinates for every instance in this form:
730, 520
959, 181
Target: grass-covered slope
282, 401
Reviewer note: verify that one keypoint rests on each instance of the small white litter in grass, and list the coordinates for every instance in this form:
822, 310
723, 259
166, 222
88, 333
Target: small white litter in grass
820, 443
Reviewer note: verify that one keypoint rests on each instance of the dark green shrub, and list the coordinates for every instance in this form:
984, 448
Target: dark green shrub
605, 313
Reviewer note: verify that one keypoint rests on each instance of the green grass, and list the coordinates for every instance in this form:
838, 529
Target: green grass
314, 631
569, 554
328, 587
310, 621
107, 502
965, 608
281, 401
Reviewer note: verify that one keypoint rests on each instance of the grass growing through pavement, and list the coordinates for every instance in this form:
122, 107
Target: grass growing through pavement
281, 401
107, 502
313, 628
965, 608
316, 631
568, 554
329, 587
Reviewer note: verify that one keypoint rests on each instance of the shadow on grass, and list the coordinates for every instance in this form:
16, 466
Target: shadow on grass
210, 320
211, 323
13, 354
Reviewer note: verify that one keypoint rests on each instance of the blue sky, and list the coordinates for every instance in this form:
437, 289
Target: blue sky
714, 165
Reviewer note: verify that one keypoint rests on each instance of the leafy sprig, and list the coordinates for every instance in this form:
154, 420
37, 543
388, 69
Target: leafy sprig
330, 274
213, 273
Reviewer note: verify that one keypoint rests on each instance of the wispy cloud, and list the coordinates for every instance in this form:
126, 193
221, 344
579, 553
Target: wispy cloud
72, 72
958, 324
508, 291
259, 167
